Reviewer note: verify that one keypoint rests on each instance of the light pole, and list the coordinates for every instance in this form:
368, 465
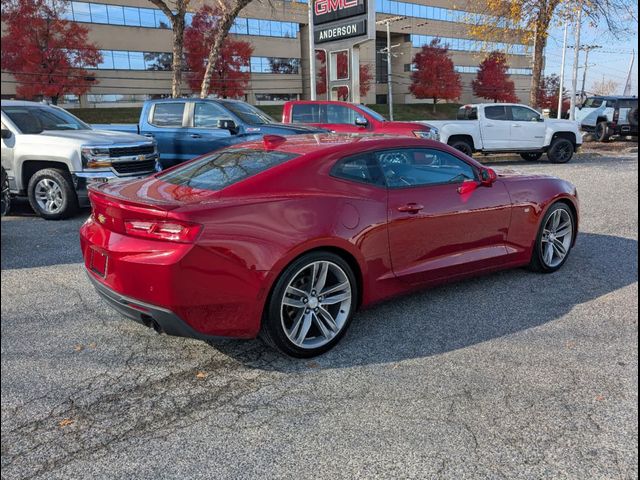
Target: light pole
564, 59
576, 59
387, 22
312, 53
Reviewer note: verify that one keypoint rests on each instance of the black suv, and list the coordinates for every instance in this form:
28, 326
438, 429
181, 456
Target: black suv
605, 117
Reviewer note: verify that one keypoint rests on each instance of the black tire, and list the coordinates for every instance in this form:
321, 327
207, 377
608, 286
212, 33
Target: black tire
272, 331
68, 199
602, 132
531, 156
537, 263
6, 194
561, 150
464, 146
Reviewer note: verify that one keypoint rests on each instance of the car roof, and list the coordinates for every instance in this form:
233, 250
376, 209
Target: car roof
22, 103
614, 97
324, 102
329, 142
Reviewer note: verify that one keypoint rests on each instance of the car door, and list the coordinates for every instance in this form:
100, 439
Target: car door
203, 135
528, 128
495, 128
436, 229
166, 123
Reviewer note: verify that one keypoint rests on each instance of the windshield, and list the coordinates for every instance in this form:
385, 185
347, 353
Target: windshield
593, 102
36, 119
248, 113
372, 113
225, 168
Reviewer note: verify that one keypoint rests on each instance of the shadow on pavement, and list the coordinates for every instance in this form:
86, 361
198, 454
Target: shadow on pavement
461, 315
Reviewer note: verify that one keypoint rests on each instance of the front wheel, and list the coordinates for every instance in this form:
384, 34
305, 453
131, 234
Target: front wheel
6, 193
554, 240
51, 194
561, 150
464, 146
531, 156
311, 306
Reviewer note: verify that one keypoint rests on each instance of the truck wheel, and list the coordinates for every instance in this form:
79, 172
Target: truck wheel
601, 134
6, 194
561, 150
464, 146
531, 156
632, 117
51, 194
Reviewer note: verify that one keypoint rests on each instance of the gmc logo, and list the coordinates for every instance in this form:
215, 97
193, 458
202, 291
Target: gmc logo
322, 7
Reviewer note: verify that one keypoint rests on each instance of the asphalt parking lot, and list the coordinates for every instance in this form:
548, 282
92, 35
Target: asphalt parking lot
513, 375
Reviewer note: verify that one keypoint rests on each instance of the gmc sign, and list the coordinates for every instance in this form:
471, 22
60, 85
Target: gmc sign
331, 10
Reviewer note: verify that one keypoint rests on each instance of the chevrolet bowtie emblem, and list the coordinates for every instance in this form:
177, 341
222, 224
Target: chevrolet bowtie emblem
102, 218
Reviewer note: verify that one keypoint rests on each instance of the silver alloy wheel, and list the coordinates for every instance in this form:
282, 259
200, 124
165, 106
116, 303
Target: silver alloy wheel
557, 236
48, 195
316, 304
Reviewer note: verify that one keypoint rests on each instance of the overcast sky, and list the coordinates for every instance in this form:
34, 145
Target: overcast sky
611, 61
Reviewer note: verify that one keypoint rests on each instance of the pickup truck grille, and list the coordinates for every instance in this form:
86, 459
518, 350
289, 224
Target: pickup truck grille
135, 167
131, 151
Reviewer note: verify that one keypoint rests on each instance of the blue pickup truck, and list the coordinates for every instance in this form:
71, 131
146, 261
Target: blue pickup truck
187, 127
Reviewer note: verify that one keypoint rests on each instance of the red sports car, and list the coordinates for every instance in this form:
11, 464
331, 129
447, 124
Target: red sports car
287, 238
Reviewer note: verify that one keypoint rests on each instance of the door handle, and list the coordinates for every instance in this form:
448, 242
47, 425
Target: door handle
149, 135
515, 125
195, 135
412, 208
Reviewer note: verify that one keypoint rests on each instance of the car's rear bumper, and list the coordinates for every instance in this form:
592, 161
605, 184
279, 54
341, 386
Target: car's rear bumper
187, 289
160, 319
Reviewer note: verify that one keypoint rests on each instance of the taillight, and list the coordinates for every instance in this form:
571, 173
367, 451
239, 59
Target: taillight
172, 230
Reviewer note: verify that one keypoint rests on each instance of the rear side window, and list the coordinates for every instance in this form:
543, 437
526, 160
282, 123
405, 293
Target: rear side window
359, 168
308, 113
466, 113
628, 103
168, 114
225, 168
496, 113
593, 103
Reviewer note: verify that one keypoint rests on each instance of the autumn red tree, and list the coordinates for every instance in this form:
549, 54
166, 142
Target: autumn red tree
547, 95
434, 75
46, 54
343, 66
492, 81
231, 73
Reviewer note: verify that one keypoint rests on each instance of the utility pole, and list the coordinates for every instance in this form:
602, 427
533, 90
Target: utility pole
387, 22
576, 59
312, 53
627, 85
587, 49
564, 59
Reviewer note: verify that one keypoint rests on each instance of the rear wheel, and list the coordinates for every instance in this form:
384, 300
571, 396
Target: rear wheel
561, 150
51, 194
602, 132
311, 306
462, 145
555, 239
531, 156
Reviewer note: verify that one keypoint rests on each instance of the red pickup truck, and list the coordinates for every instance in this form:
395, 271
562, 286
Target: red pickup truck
344, 117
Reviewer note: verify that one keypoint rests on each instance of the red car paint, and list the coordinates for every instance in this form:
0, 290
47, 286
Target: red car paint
374, 123
219, 282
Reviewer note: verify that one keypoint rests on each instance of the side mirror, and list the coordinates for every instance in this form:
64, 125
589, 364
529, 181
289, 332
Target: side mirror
361, 122
6, 133
228, 125
487, 177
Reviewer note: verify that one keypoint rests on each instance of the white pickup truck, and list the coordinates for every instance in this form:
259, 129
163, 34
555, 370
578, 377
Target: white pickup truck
510, 128
49, 155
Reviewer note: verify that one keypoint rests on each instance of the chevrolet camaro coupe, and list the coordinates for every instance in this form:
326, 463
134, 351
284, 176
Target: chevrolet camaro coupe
286, 238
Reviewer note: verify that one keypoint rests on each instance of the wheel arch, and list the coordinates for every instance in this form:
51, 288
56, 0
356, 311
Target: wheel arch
29, 167
566, 135
462, 137
569, 202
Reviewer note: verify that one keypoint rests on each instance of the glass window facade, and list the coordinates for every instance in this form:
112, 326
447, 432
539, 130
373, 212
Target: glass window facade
161, 61
154, 18
408, 9
470, 45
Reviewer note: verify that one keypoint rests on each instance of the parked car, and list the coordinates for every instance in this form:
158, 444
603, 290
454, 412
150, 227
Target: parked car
605, 117
49, 155
510, 128
288, 237
188, 127
344, 117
